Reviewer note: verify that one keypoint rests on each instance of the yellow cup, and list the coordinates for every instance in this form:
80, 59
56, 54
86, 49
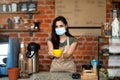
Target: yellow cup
57, 52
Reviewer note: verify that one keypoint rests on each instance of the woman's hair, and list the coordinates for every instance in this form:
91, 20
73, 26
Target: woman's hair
54, 37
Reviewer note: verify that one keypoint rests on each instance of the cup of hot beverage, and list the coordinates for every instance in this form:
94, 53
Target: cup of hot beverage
57, 52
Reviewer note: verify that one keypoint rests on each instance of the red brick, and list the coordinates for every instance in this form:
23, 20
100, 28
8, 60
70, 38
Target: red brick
46, 61
27, 39
89, 38
13, 35
41, 35
87, 57
81, 39
79, 57
25, 35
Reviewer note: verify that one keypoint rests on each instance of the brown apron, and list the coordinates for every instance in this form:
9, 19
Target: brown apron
62, 64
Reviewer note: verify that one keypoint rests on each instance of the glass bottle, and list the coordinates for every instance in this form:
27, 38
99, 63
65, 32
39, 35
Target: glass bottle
23, 63
106, 30
115, 24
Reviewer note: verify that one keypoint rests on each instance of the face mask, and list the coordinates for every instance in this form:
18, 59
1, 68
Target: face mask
60, 31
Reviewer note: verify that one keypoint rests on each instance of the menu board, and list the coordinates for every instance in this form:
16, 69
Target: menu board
82, 13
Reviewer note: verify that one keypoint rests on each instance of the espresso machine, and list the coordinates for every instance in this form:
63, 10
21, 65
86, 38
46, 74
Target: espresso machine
32, 55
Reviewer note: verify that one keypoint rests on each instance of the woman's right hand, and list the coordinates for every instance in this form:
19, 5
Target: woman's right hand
51, 56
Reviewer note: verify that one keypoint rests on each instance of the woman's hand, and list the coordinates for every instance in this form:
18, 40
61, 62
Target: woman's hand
51, 56
59, 56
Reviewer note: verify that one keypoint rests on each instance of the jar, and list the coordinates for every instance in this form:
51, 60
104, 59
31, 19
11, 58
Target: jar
106, 30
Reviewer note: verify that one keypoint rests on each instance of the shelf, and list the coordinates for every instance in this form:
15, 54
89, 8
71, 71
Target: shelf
107, 58
30, 13
108, 54
19, 30
112, 37
115, 0
20, 12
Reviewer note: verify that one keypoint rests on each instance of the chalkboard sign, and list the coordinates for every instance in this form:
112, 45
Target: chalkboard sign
82, 13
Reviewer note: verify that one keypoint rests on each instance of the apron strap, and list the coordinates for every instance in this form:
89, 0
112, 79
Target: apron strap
68, 41
67, 46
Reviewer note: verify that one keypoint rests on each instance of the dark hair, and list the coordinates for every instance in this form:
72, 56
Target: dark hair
54, 37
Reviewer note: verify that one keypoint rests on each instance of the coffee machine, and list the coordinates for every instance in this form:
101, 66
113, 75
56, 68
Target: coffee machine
32, 55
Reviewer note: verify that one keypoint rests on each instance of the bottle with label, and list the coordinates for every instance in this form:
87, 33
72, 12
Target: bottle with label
115, 25
106, 30
10, 23
94, 63
23, 63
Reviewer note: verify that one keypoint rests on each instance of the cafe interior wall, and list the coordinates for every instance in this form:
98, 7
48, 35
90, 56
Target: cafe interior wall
87, 48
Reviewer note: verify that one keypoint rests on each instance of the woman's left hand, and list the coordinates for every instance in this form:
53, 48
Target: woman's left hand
59, 56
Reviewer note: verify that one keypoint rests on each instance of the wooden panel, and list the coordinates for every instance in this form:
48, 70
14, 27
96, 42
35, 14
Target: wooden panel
82, 13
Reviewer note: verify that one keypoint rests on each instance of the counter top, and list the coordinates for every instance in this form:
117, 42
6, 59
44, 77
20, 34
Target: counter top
48, 76
54, 76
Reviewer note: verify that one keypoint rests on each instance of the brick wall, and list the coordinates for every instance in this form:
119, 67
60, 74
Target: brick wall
87, 45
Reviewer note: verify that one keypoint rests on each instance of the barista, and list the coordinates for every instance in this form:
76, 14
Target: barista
62, 39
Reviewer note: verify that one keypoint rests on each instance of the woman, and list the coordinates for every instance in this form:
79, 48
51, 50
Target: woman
62, 39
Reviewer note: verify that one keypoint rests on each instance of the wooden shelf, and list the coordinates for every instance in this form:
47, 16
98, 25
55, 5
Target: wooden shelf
115, 0
19, 30
20, 12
